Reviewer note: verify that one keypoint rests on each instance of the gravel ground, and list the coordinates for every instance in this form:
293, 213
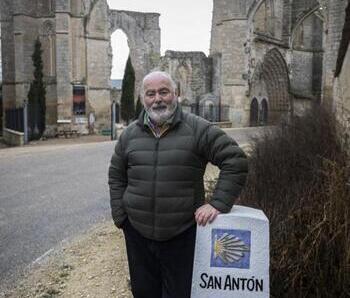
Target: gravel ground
94, 265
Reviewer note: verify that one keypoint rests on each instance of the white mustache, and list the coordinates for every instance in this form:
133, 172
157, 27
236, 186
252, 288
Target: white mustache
159, 106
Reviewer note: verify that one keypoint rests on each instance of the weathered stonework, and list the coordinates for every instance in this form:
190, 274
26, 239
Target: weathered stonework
143, 32
259, 60
268, 58
75, 38
341, 88
191, 71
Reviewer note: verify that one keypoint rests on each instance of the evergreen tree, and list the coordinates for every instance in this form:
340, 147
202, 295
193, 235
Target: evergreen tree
127, 98
36, 95
139, 107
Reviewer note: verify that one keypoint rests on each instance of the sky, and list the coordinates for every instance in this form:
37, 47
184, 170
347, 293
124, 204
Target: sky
185, 26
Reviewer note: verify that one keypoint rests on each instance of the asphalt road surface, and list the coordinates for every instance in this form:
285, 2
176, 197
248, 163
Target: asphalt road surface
51, 194
48, 195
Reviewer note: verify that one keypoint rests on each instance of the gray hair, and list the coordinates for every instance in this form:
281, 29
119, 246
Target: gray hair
160, 73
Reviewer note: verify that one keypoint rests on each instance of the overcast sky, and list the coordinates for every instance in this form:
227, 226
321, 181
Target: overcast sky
185, 26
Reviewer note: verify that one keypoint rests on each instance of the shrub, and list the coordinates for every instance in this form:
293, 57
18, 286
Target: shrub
299, 177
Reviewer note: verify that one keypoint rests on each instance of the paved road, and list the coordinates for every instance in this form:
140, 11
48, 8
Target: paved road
48, 194
52, 193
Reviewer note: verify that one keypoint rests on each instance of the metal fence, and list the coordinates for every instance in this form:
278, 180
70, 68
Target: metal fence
14, 119
212, 113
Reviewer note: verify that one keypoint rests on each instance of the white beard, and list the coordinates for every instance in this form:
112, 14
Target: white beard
159, 113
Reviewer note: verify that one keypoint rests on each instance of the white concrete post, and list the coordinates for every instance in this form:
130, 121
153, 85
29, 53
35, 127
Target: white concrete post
232, 256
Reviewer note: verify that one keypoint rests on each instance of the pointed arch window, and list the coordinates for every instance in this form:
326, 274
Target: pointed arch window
254, 112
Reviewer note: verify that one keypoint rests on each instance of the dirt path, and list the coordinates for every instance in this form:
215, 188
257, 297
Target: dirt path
94, 265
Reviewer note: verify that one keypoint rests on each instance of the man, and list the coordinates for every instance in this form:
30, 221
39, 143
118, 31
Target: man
157, 192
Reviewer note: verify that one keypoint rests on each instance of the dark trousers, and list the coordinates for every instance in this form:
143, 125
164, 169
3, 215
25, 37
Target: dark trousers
160, 269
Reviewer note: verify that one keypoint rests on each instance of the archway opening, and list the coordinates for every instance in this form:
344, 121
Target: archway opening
263, 119
120, 54
254, 112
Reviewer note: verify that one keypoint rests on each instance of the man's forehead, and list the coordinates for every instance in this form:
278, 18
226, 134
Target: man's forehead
157, 81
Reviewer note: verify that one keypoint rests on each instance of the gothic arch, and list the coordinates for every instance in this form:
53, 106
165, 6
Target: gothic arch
307, 44
313, 11
263, 18
275, 75
264, 112
273, 19
254, 112
143, 32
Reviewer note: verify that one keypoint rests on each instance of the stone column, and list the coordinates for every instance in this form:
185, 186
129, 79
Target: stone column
63, 60
8, 55
229, 35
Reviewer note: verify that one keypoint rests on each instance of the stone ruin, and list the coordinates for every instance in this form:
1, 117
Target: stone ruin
268, 58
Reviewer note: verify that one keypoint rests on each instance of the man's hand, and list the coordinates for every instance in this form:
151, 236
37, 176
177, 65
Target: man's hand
205, 213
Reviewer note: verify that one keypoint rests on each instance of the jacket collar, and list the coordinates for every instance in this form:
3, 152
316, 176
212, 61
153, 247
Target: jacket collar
177, 118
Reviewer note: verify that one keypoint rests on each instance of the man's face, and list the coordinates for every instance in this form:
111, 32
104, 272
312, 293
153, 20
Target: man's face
159, 98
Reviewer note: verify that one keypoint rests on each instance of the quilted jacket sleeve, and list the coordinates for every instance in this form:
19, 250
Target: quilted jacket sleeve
117, 180
224, 152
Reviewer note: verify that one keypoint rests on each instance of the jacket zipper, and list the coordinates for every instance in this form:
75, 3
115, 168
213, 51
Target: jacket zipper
154, 184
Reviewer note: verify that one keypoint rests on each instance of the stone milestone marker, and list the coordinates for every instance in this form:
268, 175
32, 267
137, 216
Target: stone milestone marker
232, 256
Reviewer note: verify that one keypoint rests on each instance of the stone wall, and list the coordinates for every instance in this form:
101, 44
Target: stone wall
342, 100
334, 25
306, 33
0, 55
191, 72
341, 89
243, 33
262, 49
75, 37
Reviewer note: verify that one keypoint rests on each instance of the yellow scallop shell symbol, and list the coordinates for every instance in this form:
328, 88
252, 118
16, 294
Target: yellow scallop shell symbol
229, 248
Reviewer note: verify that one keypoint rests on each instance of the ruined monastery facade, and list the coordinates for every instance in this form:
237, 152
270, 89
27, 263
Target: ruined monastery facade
268, 58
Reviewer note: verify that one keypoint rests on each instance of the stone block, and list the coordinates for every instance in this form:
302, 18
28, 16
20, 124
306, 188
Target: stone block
13, 138
232, 256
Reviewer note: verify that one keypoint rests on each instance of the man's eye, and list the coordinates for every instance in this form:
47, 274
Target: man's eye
163, 93
150, 94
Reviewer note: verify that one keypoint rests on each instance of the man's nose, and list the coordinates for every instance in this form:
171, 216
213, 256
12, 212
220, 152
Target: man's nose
158, 98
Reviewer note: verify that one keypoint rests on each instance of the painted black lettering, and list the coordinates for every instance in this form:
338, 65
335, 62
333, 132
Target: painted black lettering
235, 284
250, 284
259, 285
203, 277
228, 285
243, 280
210, 282
217, 284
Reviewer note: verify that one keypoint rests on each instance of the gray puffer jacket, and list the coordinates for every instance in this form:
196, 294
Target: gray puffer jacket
158, 182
